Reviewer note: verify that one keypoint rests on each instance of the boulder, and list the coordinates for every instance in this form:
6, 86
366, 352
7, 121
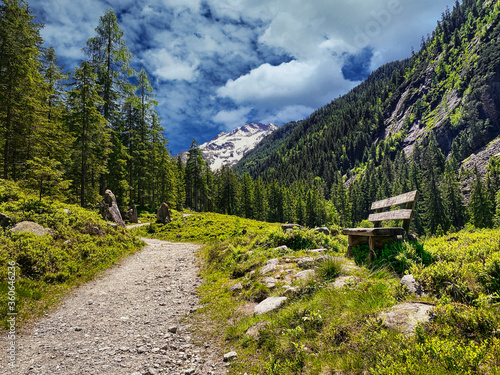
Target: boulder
230, 356
405, 316
163, 214
270, 282
323, 230
412, 285
29, 226
269, 304
306, 262
236, 287
287, 228
132, 215
109, 209
303, 275
254, 331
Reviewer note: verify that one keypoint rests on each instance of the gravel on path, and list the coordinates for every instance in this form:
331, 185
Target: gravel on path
126, 321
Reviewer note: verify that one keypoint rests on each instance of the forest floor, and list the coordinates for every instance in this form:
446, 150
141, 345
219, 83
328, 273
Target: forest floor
130, 320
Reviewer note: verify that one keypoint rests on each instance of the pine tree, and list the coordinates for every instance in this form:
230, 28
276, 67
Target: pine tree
91, 145
22, 89
452, 197
195, 167
110, 59
480, 207
261, 206
247, 197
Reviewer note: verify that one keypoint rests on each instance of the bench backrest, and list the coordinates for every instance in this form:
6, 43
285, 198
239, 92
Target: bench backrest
405, 214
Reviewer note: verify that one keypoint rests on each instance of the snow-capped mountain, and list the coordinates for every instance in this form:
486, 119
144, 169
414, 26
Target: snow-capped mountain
229, 148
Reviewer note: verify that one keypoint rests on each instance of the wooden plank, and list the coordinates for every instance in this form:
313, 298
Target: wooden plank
394, 201
373, 231
391, 215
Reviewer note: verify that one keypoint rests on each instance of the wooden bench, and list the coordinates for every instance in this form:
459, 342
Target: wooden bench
378, 237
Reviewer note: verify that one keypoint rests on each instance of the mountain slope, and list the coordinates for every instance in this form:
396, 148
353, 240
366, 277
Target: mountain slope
450, 89
228, 148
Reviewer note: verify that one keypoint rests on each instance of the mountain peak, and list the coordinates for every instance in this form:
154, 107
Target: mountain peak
227, 148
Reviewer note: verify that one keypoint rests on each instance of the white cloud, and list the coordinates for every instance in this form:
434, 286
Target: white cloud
289, 113
311, 82
168, 67
232, 118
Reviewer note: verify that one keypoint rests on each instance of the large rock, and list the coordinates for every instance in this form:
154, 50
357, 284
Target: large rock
271, 266
163, 214
29, 226
269, 304
288, 228
412, 285
405, 316
109, 209
132, 215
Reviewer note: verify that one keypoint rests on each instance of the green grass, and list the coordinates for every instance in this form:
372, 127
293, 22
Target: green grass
323, 330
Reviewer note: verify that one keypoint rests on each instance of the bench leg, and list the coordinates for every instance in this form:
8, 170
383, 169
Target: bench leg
377, 243
355, 241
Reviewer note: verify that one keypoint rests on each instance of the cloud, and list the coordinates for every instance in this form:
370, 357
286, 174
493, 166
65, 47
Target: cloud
221, 62
232, 118
168, 67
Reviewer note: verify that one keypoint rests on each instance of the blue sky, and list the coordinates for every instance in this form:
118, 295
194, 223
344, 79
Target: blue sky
219, 64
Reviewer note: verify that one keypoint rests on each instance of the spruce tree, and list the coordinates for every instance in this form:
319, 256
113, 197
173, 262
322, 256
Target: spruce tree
91, 145
22, 89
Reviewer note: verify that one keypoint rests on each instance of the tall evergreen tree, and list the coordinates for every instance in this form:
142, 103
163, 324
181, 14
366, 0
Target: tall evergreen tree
480, 207
110, 59
195, 167
91, 145
22, 90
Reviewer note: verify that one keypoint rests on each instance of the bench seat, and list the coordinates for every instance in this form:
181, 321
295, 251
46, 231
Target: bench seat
374, 231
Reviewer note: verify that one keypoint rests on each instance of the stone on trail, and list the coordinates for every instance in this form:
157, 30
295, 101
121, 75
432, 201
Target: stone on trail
163, 214
269, 304
230, 356
109, 209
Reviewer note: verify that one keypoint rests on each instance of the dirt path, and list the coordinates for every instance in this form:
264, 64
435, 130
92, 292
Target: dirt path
127, 321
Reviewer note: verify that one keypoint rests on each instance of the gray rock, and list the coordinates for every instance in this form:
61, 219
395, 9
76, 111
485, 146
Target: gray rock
323, 230
109, 209
269, 304
236, 287
283, 248
342, 281
230, 356
289, 227
306, 262
268, 268
254, 331
190, 371
405, 316
132, 215
270, 282
29, 226
172, 329
163, 214
303, 275
317, 251
289, 291
412, 285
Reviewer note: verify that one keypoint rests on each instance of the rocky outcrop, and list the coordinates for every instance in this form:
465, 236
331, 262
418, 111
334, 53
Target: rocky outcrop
132, 215
109, 209
29, 226
405, 316
163, 214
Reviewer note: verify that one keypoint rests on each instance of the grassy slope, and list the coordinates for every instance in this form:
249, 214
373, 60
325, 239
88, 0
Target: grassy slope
49, 266
323, 330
